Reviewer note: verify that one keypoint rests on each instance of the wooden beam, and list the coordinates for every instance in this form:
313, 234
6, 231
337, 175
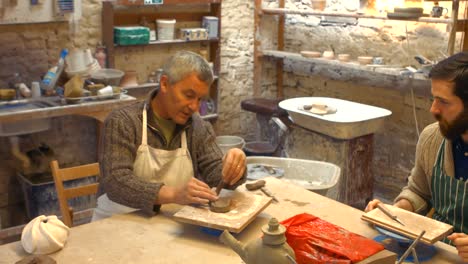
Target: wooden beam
257, 53
279, 63
108, 31
453, 29
168, 2
279, 11
464, 23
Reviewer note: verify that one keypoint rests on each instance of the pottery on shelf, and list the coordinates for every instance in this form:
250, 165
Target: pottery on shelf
344, 57
319, 4
329, 55
364, 60
311, 54
129, 79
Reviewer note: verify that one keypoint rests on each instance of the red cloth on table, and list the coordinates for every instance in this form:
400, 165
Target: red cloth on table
317, 241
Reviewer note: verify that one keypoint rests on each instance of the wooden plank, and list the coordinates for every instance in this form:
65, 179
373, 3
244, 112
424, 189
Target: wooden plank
381, 257
414, 224
357, 184
453, 29
78, 172
107, 18
257, 80
279, 11
81, 191
245, 207
352, 72
168, 2
122, 19
279, 63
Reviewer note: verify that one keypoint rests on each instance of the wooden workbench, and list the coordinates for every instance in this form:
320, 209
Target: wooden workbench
134, 238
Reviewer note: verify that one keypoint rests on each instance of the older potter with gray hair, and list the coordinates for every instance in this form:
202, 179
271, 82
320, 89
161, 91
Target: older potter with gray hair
160, 151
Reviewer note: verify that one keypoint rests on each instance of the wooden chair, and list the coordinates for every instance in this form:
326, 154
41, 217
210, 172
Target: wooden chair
63, 194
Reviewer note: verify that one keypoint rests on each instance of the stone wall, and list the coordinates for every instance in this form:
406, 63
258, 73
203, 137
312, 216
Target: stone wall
31, 49
397, 42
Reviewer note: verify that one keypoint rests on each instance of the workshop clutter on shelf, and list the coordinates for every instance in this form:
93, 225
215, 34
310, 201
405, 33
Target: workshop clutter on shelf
81, 62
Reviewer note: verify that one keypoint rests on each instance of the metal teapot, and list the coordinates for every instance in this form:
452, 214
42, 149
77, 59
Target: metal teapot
272, 248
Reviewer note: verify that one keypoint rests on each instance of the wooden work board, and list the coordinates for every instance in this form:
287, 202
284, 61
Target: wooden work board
244, 208
414, 224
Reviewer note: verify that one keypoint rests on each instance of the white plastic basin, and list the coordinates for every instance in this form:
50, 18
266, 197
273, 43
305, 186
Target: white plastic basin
351, 119
29, 106
226, 143
316, 176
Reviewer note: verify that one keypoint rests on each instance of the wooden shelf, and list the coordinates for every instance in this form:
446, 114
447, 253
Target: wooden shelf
455, 25
166, 42
372, 75
283, 11
166, 2
130, 12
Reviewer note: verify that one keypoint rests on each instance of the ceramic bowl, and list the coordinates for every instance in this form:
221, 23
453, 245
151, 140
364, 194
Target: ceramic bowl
7, 94
344, 57
319, 4
329, 55
311, 54
364, 60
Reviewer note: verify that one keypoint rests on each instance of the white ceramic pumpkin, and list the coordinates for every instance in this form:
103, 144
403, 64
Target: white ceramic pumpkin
44, 235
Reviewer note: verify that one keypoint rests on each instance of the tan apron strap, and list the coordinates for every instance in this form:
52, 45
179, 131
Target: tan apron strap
183, 140
144, 137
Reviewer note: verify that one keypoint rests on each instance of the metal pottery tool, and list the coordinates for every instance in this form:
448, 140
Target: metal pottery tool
219, 187
223, 204
260, 185
411, 249
388, 213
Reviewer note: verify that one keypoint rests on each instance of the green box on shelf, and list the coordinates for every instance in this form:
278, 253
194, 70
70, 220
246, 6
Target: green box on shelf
131, 35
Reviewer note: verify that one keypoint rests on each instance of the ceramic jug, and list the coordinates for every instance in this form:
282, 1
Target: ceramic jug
272, 248
438, 11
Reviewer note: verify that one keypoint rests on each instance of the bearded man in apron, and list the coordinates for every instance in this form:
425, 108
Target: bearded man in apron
439, 177
161, 151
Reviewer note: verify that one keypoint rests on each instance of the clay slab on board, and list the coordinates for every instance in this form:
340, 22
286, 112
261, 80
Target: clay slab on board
244, 208
414, 224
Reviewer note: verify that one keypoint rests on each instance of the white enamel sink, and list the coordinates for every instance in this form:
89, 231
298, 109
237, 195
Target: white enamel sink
351, 119
24, 127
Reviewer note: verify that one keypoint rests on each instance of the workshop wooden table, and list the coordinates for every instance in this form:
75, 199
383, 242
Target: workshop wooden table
134, 238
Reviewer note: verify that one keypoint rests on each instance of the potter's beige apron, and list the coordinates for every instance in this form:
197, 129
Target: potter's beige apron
173, 167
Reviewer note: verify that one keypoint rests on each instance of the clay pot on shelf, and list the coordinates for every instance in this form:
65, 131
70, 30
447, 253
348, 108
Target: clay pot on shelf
129, 79
319, 4
311, 54
328, 54
364, 60
344, 57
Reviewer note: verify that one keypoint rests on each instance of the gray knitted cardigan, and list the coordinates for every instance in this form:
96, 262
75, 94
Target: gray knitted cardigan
120, 140
418, 191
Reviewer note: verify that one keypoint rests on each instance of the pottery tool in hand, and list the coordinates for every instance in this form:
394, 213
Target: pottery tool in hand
388, 213
219, 187
223, 204
260, 185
